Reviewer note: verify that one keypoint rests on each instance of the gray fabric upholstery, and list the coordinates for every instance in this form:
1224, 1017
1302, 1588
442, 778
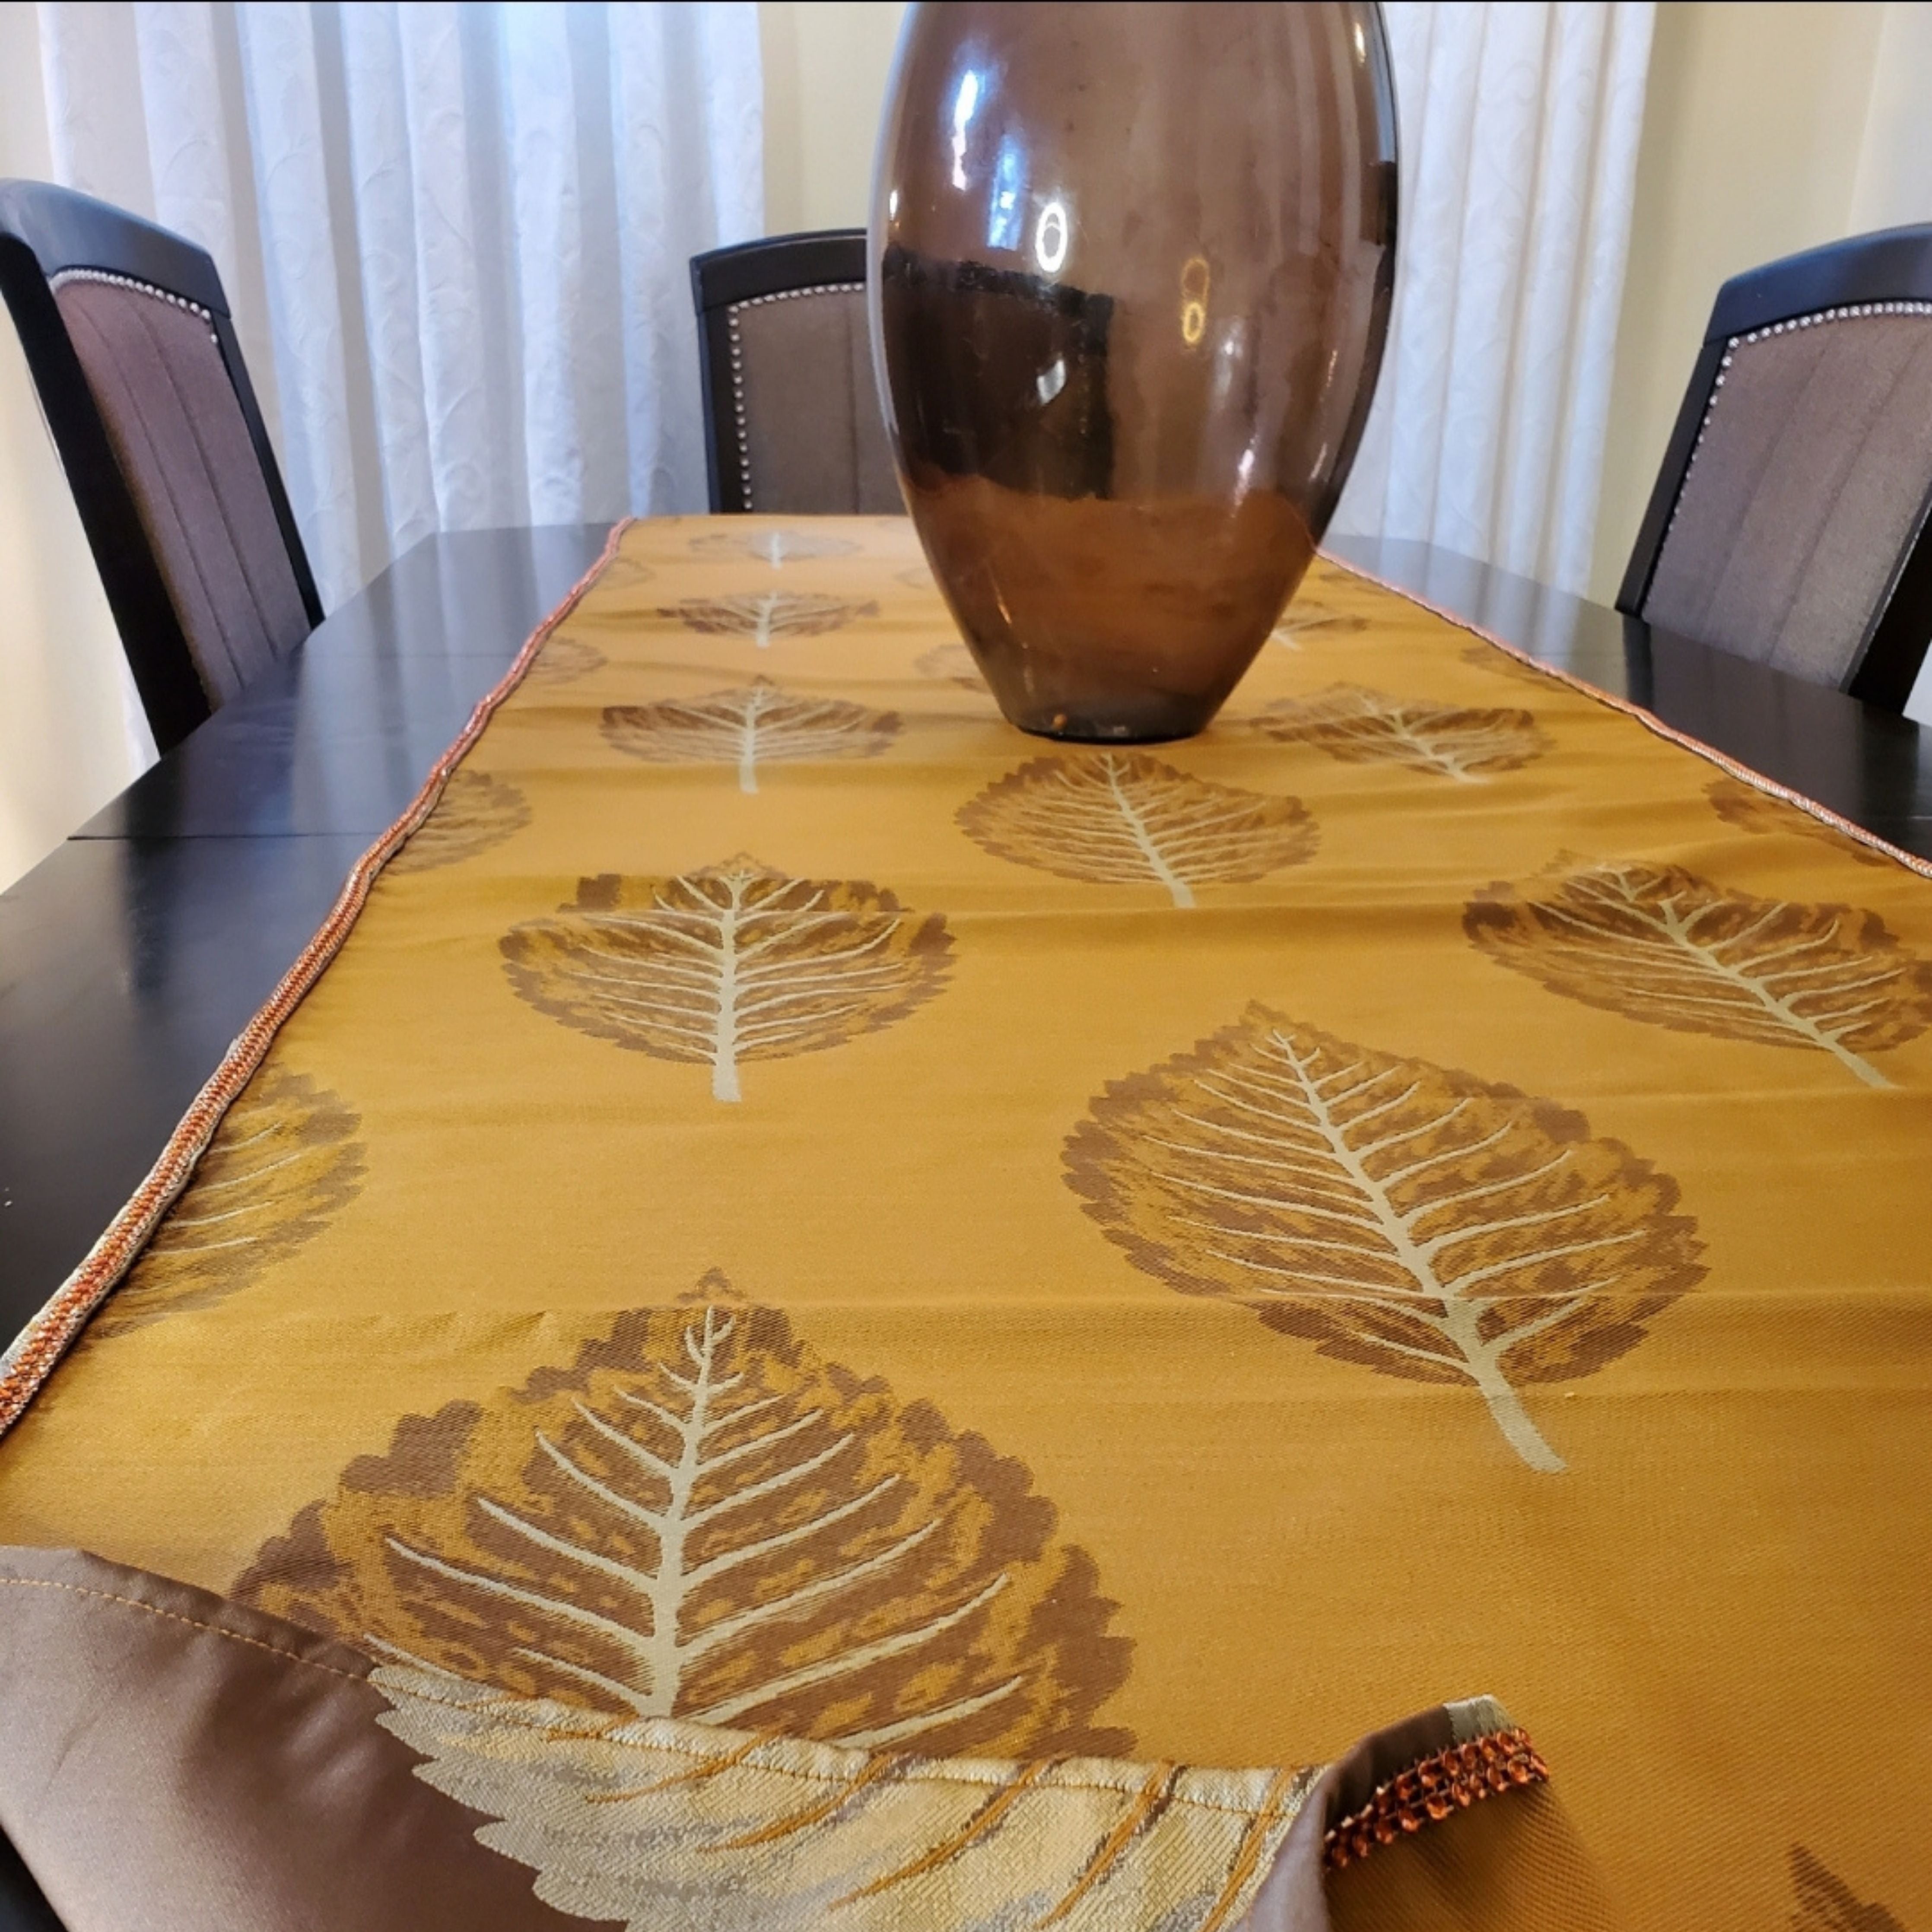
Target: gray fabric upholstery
183, 445
1804, 493
814, 440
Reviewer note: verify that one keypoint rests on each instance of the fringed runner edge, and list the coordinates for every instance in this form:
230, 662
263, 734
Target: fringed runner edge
1649, 720
26, 1364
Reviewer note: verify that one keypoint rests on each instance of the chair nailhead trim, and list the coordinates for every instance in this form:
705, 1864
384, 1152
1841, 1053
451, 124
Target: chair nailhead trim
1844, 312
67, 275
738, 365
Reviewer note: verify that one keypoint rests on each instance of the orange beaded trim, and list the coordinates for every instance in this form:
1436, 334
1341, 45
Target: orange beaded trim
1451, 1780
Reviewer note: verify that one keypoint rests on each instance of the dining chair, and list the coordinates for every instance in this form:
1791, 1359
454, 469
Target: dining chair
130, 344
792, 421
1789, 520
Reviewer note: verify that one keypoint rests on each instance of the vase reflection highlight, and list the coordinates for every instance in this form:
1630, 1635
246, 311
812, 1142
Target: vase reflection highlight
1130, 277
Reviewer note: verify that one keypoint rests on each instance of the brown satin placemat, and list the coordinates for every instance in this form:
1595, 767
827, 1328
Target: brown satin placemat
797, 1208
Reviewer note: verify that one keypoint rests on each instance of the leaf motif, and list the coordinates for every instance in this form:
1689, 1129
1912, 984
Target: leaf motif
1306, 618
562, 659
283, 1161
1825, 1903
769, 614
755, 724
1401, 1215
734, 963
1659, 944
622, 571
1749, 809
1121, 818
1362, 727
1506, 663
654, 1823
1363, 592
774, 546
952, 664
915, 577
701, 1518
474, 812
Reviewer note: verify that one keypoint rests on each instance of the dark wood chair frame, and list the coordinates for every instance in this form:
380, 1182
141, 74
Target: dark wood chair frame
44, 231
769, 270
1893, 265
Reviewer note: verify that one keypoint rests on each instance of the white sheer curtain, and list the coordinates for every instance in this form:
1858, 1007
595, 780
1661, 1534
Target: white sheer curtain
1519, 130
455, 236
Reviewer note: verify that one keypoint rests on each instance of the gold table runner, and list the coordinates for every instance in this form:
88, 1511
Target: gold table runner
1418, 1190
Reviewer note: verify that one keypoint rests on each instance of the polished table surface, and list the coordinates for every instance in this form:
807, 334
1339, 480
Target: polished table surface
132, 956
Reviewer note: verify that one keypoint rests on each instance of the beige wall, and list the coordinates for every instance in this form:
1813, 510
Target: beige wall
1895, 178
825, 62
65, 746
1755, 131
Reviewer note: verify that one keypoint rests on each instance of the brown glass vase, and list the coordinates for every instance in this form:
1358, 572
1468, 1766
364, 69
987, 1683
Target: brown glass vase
1131, 269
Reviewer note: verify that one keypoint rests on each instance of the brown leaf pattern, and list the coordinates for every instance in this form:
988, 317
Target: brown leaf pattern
766, 615
701, 1518
951, 664
1359, 727
1504, 664
776, 547
563, 659
1305, 618
756, 723
1748, 809
285, 1158
1659, 944
1363, 592
621, 573
1401, 1215
735, 963
1122, 817
474, 812
1825, 1903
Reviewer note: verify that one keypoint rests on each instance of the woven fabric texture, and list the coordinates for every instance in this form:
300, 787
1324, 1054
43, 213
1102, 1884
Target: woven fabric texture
798, 1210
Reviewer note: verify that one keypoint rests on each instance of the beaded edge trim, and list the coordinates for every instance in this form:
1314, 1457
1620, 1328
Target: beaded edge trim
731, 315
1846, 312
66, 275
1432, 1789
1650, 722
26, 1366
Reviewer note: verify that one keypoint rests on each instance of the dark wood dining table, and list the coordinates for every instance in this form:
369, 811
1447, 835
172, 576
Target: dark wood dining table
133, 955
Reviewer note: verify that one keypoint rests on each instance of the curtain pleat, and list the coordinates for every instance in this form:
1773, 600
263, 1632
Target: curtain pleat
383, 178
539, 110
440, 227
306, 313
1519, 130
455, 237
